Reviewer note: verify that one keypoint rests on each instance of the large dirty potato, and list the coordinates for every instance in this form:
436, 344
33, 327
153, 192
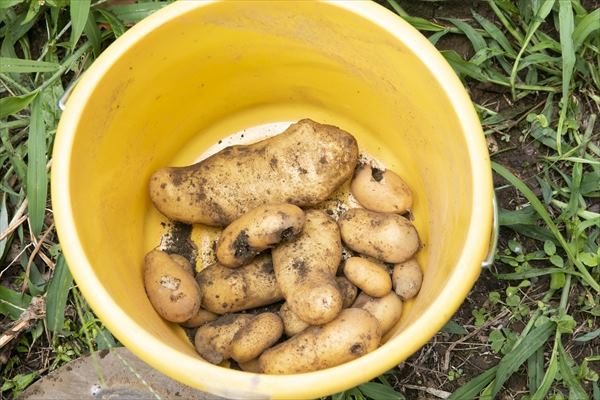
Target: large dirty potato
386, 237
229, 290
170, 287
353, 333
301, 166
305, 269
257, 230
256, 336
213, 339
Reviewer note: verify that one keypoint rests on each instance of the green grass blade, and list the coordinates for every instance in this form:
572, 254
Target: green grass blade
37, 177
56, 297
132, 13
93, 33
12, 304
380, 391
588, 336
462, 67
540, 17
471, 389
535, 370
109, 18
550, 375
79, 15
585, 27
474, 37
511, 362
576, 391
24, 66
567, 26
531, 273
3, 224
14, 104
9, 3
541, 210
495, 33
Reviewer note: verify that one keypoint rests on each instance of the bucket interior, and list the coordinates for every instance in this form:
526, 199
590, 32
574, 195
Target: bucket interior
222, 68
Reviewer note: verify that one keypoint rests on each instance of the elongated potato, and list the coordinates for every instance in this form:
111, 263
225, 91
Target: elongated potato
407, 279
257, 230
387, 309
381, 190
301, 166
213, 339
171, 289
348, 291
370, 277
230, 290
353, 333
256, 336
386, 237
305, 269
201, 317
292, 324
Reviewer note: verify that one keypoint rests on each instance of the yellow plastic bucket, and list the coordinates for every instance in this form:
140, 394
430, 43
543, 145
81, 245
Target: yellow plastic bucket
198, 71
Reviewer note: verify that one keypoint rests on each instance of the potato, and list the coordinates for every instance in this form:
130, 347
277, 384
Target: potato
172, 291
347, 289
250, 366
292, 324
353, 333
368, 276
183, 262
303, 166
305, 269
387, 309
230, 290
201, 317
213, 339
381, 191
386, 237
257, 230
258, 335
407, 279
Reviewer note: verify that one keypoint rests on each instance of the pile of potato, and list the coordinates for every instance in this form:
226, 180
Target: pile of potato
277, 246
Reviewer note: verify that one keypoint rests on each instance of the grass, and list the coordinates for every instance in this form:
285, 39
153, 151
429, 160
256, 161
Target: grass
533, 68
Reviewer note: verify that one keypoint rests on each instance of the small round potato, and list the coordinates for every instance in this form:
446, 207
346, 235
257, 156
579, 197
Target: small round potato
347, 289
353, 333
291, 322
257, 230
258, 335
387, 309
202, 317
407, 278
250, 366
213, 339
305, 269
229, 290
386, 237
381, 190
370, 277
172, 291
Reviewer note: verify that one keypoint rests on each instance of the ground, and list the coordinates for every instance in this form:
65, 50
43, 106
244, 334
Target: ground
498, 313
